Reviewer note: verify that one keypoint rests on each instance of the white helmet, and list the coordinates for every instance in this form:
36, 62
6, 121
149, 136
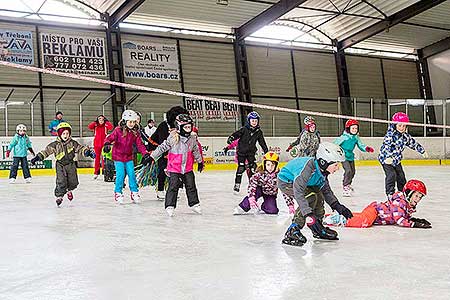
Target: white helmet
129, 115
21, 127
330, 153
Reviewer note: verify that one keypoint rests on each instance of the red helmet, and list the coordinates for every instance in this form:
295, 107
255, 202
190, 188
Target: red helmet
351, 122
415, 185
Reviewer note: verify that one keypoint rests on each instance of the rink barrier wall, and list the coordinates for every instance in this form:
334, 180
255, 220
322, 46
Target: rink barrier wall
438, 149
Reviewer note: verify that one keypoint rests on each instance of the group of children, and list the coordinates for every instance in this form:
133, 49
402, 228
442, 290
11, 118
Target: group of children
303, 179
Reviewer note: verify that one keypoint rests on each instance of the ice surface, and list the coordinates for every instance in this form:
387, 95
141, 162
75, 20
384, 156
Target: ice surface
95, 249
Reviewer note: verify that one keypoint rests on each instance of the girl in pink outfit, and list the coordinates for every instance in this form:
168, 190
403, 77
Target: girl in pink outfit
123, 138
183, 149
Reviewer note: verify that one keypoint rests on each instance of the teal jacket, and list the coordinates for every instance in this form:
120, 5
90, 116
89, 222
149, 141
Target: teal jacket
303, 173
348, 142
19, 145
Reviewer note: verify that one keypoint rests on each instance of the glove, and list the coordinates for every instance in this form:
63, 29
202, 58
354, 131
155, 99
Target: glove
8, 153
420, 225
107, 147
31, 151
288, 148
425, 155
388, 161
200, 167
147, 159
35, 159
369, 149
342, 210
89, 153
230, 140
318, 230
225, 150
253, 204
420, 221
291, 209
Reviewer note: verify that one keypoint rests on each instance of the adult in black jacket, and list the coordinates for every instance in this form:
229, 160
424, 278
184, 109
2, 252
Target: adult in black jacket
248, 135
158, 137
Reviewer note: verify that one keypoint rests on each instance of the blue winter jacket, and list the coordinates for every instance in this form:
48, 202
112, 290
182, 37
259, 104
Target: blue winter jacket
394, 143
304, 172
52, 126
19, 145
348, 142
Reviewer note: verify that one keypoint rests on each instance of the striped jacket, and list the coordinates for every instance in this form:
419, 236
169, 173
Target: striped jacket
394, 211
394, 143
182, 153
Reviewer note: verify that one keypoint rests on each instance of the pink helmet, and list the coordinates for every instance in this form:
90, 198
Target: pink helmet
400, 117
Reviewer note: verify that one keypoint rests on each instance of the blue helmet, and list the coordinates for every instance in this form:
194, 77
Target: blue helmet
253, 115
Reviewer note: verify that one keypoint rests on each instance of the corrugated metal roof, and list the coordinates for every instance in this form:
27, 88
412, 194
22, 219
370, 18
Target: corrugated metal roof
198, 14
108, 6
437, 16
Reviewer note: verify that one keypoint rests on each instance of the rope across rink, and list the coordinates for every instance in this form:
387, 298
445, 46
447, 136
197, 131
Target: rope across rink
198, 97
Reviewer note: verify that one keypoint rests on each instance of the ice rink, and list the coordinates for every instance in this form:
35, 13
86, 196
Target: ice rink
94, 249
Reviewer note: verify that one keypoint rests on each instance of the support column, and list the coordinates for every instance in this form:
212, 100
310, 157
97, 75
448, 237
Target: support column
423, 76
343, 83
115, 68
243, 80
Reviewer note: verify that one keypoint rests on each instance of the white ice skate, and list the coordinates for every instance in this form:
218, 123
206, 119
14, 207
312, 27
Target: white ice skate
196, 208
238, 211
95, 177
135, 197
28, 180
170, 211
351, 188
346, 192
12, 180
161, 195
118, 197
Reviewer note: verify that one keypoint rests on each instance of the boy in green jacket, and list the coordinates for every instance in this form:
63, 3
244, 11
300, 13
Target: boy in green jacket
348, 141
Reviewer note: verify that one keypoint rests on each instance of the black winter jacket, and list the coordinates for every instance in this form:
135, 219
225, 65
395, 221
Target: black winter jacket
247, 140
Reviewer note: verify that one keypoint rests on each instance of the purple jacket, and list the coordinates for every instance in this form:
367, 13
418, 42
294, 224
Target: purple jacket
123, 145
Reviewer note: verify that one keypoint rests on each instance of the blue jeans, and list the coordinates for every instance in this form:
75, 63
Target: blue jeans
15, 166
123, 169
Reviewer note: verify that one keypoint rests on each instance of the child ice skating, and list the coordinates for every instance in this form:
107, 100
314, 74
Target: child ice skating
391, 152
309, 139
248, 135
396, 211
64, 150
19, 146
263, 184
183, 150
123, 138
306, 180
100, 126
348, 141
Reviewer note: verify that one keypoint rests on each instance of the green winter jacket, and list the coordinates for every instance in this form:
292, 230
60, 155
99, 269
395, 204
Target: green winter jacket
348, 142
20, 145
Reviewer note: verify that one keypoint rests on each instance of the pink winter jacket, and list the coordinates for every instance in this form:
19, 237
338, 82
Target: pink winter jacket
123, 145
394, 211
181, 153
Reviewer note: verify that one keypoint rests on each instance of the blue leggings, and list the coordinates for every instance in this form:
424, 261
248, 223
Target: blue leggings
122, 169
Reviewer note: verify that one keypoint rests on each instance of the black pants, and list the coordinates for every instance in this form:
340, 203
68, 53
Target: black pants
349, 174
251, 166
66, 178
162, 165
15, 166
394, 174
176, 181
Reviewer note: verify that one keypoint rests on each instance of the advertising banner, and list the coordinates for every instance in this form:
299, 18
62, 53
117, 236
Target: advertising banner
16, 47
205, 110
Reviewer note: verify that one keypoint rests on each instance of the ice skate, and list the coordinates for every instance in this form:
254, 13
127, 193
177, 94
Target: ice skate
118, 197
238, 211
197, 209
293, 236
59, 200
346, 192
95, 177
161, 195
237, 187
135, 197
28, 180
12, 180
351, 188
170, 211
70, 195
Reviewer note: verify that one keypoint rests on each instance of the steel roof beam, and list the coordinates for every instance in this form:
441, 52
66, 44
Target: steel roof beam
398, 17
266, 17
126, 9
435, 48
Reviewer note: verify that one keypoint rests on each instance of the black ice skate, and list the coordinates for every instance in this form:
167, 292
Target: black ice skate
59, 200
293, 236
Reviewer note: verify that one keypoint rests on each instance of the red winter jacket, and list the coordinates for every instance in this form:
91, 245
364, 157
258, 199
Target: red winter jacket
100, 132
123, 145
